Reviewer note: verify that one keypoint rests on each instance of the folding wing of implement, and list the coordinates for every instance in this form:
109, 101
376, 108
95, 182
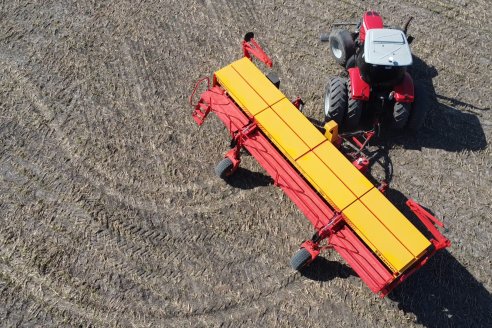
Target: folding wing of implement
345, 208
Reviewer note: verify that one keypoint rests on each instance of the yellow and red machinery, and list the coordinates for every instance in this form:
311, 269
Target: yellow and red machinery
346, 209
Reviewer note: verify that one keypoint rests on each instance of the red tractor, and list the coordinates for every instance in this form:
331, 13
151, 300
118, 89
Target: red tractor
379, 88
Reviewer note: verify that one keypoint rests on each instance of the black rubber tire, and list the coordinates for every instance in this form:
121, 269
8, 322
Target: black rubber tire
224, 168
354, 109
342, 46
336, 100
420, 109
300, 259
350, 62
401, 113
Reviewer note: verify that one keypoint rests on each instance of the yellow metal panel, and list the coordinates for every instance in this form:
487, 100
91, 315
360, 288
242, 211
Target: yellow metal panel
393, 219
281, 134
324, 181
311, 136
343, 169
385, 230
377, 237
331, 131
258, 81
240, 91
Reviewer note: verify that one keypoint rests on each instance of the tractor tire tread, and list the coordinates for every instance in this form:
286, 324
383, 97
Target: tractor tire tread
354, 109
343, 38
420, 108
401, 113
336, 97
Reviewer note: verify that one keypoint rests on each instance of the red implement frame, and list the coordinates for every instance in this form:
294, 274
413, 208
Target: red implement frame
244, 131
325, 220
252, 48
328, 223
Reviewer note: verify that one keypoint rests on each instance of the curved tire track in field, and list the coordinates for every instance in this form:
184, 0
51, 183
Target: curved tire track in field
127, 236
109, 210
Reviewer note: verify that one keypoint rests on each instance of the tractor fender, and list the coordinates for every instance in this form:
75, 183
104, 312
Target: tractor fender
403, 92
360, 89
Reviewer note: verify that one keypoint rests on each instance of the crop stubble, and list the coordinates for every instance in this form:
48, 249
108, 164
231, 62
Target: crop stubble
110, 211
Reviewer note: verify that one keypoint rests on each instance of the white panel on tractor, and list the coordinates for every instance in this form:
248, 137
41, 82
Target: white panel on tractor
387, 47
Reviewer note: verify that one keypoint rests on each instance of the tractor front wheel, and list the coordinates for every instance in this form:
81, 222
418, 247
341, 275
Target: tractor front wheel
224, 168
342, 46
300, 259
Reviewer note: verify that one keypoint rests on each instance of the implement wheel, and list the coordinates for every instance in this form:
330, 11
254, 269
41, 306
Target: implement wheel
224, 168
336, 100
300, 259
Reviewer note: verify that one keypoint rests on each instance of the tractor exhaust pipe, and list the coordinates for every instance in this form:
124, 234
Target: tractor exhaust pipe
405, 27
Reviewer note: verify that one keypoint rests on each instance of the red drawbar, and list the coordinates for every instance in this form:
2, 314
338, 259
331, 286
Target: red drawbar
371, 19
360, 89
404, 90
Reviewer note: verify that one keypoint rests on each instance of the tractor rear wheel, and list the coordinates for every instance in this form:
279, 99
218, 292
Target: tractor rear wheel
401, 113
300, 259
336, 100
354, 110
224, 168
342, 46
420, 108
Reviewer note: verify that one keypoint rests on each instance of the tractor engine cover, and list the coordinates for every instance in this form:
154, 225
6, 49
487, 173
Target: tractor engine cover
370, 20
387, 47
384, 58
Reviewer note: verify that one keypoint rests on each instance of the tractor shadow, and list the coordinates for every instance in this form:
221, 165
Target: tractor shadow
446, 128
451, 124
443, 293
323, 270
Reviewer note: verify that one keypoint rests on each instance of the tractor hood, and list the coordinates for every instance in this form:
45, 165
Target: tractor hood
387, 47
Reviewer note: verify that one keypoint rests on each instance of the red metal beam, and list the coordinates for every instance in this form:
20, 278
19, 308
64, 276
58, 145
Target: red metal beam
361, 259
252, 48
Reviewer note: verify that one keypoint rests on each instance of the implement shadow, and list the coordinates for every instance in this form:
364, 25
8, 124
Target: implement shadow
324, 270
442, 293
246, 179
